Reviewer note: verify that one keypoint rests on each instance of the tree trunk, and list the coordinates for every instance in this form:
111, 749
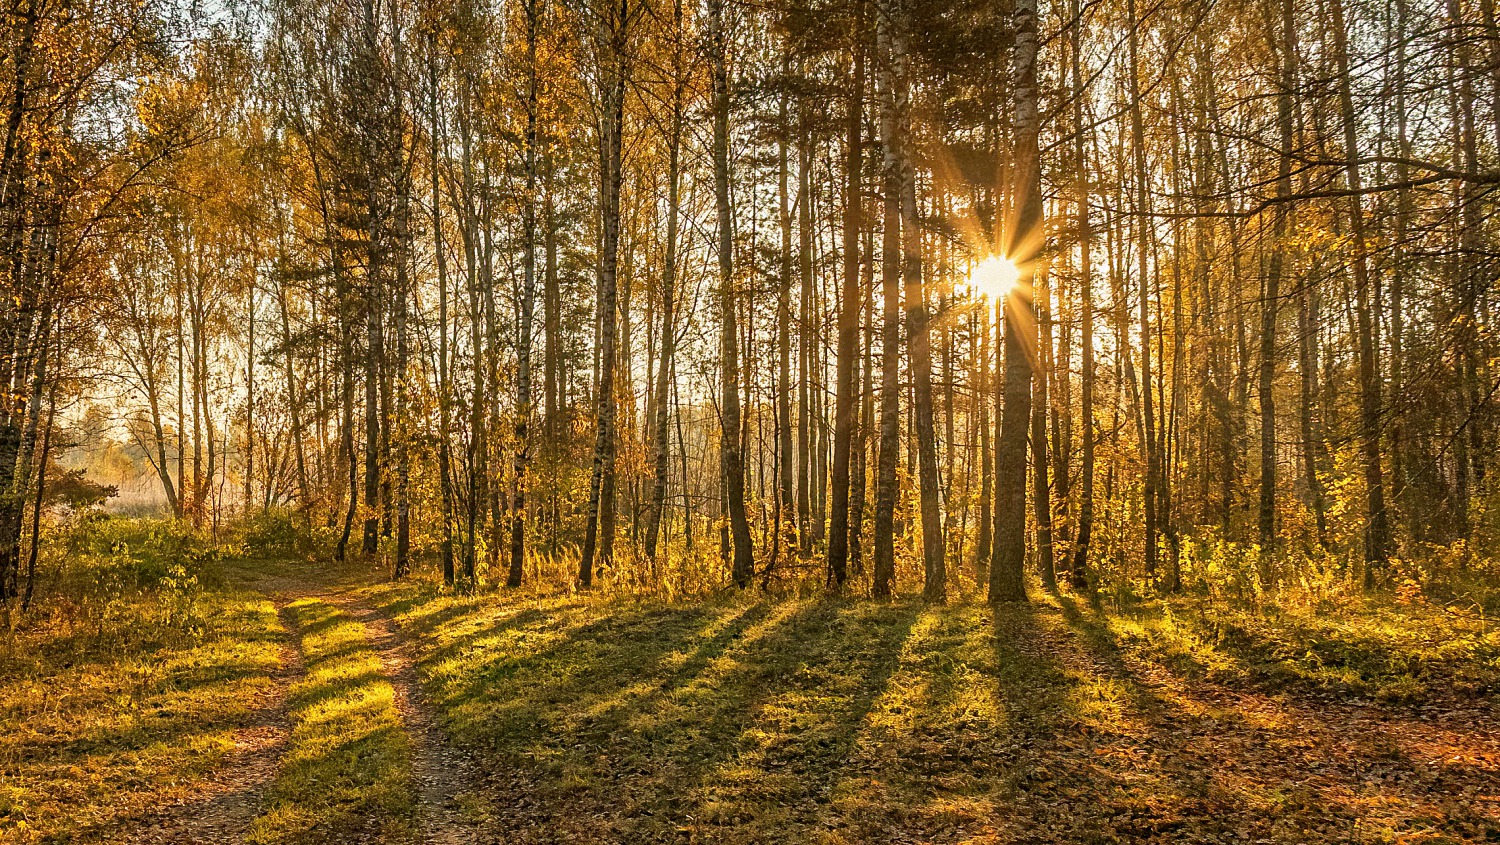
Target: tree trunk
804, 356
600, 529
890, 275
1041, 493
918, 340
660, 452
845, 401
444, 387
1377, 529
732, 465
527, 309
1007, 582
982, 397
1272, 293
1080, 568
788, 508
1143, 251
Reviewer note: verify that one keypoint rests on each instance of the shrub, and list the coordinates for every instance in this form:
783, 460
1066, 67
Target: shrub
278, 533
99, 569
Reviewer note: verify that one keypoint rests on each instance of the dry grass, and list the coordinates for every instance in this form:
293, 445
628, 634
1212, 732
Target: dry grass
102, 722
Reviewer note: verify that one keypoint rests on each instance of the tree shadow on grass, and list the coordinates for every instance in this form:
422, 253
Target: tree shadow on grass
828, 667
440, 646
414, 606
988, 732
109, 738
714, 719
1249, 764
356, 783
347, 770
533, 670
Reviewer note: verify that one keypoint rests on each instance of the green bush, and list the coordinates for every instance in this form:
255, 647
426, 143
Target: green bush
101, 568
278, 533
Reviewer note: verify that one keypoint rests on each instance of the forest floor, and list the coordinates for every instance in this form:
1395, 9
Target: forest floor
346, 709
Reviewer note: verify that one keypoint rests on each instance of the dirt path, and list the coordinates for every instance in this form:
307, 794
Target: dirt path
222, 811
440, 771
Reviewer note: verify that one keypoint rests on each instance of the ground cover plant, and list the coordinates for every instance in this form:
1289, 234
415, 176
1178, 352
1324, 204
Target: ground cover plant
827, 720
129, 688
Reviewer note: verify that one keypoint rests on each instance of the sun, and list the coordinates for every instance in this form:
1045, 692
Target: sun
995, 276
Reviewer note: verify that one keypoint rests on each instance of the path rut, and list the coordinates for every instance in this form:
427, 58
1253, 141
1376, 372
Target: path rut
439, 770
224, 808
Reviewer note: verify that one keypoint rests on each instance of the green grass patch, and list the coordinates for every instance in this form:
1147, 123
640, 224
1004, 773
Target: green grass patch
745, 719
754, 719
347, 770
104, 716
646, 718
1371, 648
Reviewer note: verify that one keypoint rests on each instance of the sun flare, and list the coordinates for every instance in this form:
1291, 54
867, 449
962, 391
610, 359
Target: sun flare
995, 276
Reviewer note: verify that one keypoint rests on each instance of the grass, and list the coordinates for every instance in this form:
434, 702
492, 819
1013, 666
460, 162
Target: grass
1361, 647
758, 718
106, 718
347, 770
123, 692
819, 720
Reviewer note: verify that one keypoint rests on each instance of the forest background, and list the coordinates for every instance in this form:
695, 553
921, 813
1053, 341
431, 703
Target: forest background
1184, 309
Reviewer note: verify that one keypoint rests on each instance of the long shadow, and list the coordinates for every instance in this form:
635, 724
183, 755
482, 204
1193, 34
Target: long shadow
838, 687
123, 740
116, 748
1057, 750
347, 770
87, 645
343, 650
172, 727
708, 651
342, 793
1370, 749
326, 692
1092, 631
204, 676
318, 625
1099, 642
428, 620
157, 724
585, 659
458, 645
781, 688
1228, 747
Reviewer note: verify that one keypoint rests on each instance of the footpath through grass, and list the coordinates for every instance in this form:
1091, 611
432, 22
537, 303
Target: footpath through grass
347, 771
828, 721
125, 697
758, 719
106, 716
